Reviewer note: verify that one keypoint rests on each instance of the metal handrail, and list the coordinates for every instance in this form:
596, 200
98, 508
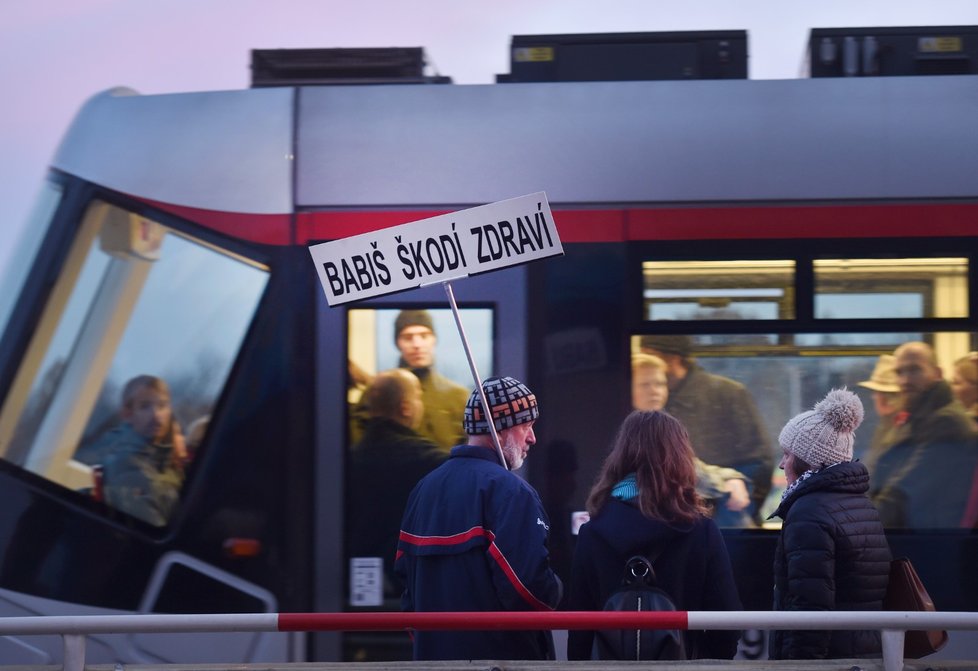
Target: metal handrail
893, 625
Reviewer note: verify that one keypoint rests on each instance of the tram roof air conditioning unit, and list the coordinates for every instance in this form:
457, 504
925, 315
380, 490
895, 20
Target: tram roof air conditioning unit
703, 54
317, 67
903, 51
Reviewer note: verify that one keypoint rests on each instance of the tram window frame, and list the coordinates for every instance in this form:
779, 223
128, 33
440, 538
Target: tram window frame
780, 277
481, 338
857, 337
23, 255
805, 253
880, 276
91, 233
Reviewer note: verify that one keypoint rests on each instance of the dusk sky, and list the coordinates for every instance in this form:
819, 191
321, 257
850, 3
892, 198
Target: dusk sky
57, 53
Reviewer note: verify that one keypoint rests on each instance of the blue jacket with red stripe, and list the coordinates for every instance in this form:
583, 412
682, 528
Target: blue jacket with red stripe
474, 538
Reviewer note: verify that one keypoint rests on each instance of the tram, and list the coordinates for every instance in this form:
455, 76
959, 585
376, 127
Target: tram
795, 230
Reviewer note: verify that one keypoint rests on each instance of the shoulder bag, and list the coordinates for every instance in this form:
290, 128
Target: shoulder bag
907, 592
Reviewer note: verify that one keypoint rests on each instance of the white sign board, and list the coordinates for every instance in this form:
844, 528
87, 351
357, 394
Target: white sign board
366, 581
446, 247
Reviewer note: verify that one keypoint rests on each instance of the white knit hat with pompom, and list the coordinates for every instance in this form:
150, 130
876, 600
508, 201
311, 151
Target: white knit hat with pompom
824, 435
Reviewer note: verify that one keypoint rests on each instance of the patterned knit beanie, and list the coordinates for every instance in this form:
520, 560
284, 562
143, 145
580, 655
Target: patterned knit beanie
824, 435
509, 400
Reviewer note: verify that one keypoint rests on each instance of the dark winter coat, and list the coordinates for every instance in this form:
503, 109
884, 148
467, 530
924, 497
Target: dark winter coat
474, 538
724, 426
922, 474
693, 568
140, 476
444, 405
384, 467
831, 555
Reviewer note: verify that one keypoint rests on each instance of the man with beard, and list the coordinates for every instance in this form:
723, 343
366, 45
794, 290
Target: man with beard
923, 471
474, 535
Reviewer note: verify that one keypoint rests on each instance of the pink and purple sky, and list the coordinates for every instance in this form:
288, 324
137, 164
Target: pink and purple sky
54, 54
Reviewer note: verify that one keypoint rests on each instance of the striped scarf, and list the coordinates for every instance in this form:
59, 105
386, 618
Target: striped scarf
804, 476
627, 489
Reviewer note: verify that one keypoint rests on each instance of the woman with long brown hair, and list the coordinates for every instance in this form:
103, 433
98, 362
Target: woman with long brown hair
644, 503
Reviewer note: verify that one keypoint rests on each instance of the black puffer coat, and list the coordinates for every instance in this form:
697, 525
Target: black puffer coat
832, 555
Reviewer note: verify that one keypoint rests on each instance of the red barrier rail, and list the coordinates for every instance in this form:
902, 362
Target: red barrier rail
893, 625
480, 621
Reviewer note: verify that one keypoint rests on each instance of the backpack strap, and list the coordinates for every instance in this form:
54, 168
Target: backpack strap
645, 570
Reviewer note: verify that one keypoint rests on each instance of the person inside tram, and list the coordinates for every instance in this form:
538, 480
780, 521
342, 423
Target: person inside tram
888, 403
444, 400
964, 383
725, 490
724, 424
924, 472
143, 467
385, 466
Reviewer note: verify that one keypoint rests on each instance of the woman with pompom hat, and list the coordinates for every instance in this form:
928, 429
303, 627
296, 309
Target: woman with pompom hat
832, 553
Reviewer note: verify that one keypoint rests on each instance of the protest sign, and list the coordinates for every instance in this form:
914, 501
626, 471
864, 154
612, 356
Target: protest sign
447, 247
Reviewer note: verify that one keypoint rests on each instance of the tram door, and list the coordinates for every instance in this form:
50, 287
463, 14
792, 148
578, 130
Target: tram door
355, 574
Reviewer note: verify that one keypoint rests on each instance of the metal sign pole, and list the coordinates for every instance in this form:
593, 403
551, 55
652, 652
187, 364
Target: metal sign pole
475, 374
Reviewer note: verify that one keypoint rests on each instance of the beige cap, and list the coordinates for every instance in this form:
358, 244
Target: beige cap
884, 377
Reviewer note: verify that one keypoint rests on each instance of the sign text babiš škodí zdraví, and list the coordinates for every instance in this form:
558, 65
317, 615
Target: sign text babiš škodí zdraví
449, 246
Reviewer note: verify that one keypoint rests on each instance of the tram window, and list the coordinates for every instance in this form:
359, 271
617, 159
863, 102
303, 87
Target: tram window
689, 290
784, 377
18, 262
372, 343
373, 347
134, 298
911, 288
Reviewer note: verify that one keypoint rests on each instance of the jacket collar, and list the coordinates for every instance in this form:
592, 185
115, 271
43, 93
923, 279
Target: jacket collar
847, 477
475, 452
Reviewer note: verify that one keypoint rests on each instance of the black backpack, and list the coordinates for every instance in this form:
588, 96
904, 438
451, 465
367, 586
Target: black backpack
638, 592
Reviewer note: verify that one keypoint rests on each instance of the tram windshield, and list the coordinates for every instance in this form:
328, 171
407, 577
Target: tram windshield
130, 356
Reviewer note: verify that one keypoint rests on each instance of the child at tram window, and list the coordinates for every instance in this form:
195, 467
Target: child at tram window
143, 471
